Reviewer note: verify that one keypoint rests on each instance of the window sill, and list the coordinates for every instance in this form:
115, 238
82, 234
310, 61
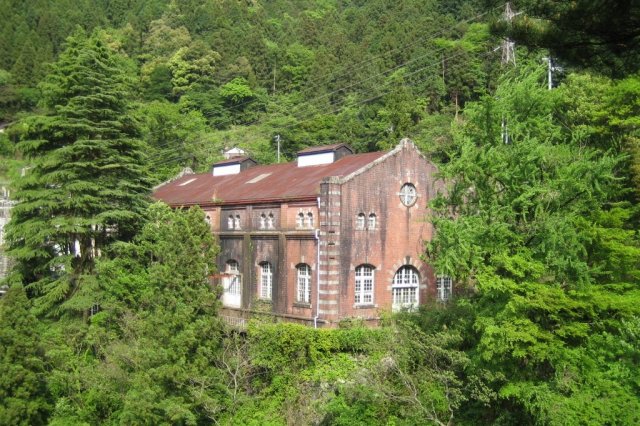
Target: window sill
365, 306
302, 305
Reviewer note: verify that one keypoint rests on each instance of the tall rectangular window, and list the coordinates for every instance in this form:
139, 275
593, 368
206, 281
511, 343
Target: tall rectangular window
444, 286
364, 285
372, 221
304, 283
266, 280
232, 285
234, 278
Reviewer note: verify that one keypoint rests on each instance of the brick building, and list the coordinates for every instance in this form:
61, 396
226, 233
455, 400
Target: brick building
330, 236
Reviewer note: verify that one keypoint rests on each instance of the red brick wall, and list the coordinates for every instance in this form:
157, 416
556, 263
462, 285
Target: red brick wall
300, 249
400, 233
290, 213
398, 239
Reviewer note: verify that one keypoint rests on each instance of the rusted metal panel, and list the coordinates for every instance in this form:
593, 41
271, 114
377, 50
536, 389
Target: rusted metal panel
259, 184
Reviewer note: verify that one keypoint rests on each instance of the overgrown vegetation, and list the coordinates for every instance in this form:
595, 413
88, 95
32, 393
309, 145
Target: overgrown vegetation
110, 319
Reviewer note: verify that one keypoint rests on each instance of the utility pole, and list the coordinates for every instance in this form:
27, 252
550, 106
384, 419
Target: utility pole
277, 138
550, 69
505, 131
508, 45
274, 76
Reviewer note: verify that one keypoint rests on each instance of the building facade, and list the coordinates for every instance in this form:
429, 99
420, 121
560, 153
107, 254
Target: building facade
333, 235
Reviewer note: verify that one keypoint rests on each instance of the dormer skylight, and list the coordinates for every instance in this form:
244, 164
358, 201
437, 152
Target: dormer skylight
187, 182
232, 166
327, 154
258, 178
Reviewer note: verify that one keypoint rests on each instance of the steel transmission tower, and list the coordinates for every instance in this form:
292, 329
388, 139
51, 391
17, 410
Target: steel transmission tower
508, 45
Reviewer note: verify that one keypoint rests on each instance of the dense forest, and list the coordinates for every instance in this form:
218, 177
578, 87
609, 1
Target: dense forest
532, 118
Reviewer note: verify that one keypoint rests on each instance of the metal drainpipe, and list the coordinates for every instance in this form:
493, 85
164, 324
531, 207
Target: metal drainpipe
315, 319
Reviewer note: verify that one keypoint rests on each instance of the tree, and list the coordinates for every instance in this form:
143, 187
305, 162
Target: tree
87, 185
177, 381
240, 100
148, 351
173, 134
463, 73
413, 376
603, 35
532, 224
23, 394
193, 66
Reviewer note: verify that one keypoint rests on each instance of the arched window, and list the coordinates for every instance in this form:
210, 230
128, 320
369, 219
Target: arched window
266, 280
270, 221
238, 222
360, 221
232, 285
372, 221
405, 288
230, 222
444, 286
310, 220
364, 284
303, 293
300, 220
263, 221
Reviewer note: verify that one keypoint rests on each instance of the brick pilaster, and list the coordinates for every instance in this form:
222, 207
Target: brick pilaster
330, 206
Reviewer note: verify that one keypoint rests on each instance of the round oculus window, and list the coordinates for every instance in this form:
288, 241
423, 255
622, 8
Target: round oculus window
408, 194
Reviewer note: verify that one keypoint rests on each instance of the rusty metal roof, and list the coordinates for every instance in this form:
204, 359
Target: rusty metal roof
267, 183
324, 148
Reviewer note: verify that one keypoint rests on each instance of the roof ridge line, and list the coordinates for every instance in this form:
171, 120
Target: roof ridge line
401, 145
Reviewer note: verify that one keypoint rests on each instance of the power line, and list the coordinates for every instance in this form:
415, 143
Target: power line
308, 103
307, 117
324, 80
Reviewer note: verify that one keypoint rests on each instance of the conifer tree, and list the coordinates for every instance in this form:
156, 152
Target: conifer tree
87, 184
22, 387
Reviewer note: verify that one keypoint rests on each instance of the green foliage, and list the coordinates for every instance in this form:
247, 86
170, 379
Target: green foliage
148, 354
173, 134
539, 225
87, 183
534, 225
23, 395
600, 35
191, 66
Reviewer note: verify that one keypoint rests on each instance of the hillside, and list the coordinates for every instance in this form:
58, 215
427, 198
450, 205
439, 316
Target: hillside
110, 317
